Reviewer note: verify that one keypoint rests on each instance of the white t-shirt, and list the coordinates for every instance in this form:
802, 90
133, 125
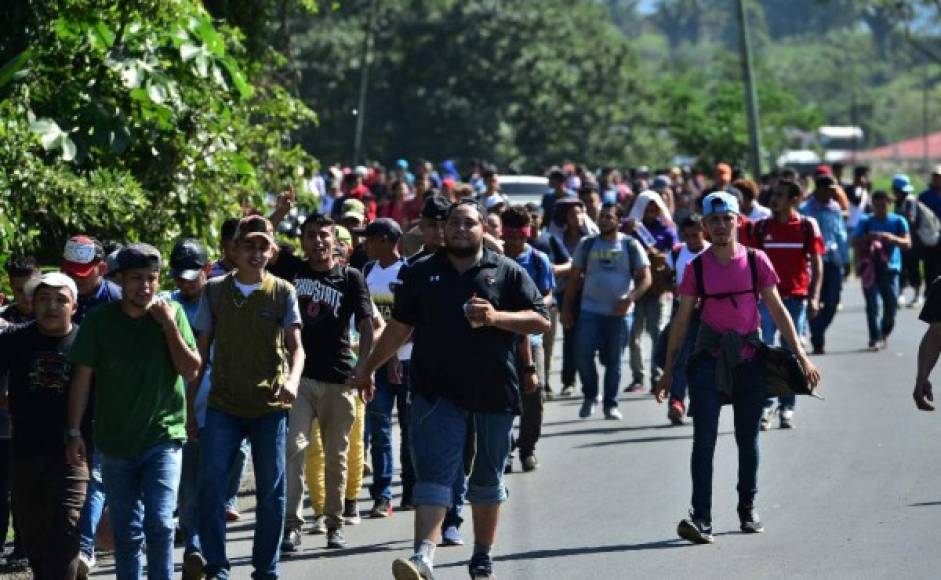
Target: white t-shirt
758, 212
381, 283
246, 289
857, 212
683, 258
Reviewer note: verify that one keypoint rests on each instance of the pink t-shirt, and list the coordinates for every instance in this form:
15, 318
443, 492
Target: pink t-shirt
720, 313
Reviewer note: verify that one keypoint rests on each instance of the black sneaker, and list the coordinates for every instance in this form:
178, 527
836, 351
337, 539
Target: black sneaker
335, 538
291, 542
381, 509
750, 522
193, 564
695, 530
481, 567
529, 462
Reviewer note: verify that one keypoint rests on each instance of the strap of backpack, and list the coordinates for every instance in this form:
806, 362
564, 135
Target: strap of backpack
589, 244
367, 268
753, 266
697, 270
808, 229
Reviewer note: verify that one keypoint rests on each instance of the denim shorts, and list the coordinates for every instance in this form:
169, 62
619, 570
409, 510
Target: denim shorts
441, 431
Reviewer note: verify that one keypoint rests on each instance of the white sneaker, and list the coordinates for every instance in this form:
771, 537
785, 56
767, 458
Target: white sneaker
613, 414
415, 568
787, 418
766, 414
85, 564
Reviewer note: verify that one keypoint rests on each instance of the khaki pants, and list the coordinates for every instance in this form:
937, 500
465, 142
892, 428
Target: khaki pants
355, 460
334, 408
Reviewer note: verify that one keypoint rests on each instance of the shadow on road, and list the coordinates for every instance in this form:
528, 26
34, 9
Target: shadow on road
566, 552
603, 430
924, 504
640, 440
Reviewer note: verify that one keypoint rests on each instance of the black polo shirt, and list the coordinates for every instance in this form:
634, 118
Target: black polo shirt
474, 367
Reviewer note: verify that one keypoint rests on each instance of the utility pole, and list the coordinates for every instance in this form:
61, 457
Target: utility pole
751, 95
363, 81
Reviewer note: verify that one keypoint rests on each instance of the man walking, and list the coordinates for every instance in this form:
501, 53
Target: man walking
139, 431
466, 306
251, 320
879, 239
726, 280
48, 493
516, 230
824, 209
382, 273
794, 245
329, 296
611, 271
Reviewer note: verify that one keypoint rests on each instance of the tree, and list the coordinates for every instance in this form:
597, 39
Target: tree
136, 121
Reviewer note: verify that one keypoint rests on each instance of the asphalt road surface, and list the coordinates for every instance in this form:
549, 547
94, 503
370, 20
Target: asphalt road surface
853, 492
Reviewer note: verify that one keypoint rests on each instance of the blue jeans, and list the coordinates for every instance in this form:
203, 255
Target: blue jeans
885, 290
797, 308
442, 430
705, 407
830, 291
189, 492
379, 421
609, 334
223, 434
94, 506
142, 494
680, 373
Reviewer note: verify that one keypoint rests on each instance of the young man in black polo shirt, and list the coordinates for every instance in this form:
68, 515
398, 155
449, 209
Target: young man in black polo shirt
465, 308
329, 295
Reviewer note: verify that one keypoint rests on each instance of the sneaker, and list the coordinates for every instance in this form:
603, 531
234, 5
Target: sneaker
695, 530
787, 418
766, 414
749, 520
635, 387
613, 414
819, 350
335, 539
85, 565
588, 408
451, 536
350, 512
481, 567
406, 505
547, 390
381, 509
415, 568
367, 470
676, 412
291, 542
529, 463
232, 515
567, 391
508, 466
193, 564
319, 527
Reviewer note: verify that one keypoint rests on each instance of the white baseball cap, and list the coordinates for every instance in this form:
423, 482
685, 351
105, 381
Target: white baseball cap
53, 280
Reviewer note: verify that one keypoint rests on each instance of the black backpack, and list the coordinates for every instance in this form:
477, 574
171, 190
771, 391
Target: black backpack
701, 286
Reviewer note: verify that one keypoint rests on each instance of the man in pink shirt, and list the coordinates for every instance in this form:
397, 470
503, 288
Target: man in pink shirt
726, 281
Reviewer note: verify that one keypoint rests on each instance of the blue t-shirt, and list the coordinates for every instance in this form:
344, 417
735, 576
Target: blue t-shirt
609, 268
107, 292
893, 224
539, 268
189, 308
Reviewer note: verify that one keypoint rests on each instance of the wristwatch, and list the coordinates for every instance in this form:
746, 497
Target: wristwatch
530, 369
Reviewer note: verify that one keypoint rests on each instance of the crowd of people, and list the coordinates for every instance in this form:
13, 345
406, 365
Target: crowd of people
429, 297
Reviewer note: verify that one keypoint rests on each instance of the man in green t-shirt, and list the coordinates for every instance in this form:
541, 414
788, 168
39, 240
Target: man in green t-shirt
139, 351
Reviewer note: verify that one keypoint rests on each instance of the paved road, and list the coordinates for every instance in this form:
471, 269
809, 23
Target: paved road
853, 492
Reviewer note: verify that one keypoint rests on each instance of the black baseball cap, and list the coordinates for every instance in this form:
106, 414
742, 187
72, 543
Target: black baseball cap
384, 228
187, 259
436, 208
136, 256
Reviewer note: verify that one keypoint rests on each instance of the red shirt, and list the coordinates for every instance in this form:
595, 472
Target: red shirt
789, 247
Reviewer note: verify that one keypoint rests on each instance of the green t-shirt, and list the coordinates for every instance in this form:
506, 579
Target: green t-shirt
140, 398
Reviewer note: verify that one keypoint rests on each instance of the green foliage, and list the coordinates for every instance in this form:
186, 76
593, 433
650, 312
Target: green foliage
137, 121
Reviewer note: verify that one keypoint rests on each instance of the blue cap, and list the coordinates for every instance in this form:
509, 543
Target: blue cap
402, 164
719, 202
901, 182
660, 183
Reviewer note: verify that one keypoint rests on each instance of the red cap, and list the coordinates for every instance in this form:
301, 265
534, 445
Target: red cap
823, 170
81, 256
